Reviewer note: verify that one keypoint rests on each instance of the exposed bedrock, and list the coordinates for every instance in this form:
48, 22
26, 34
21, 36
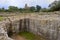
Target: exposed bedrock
47, 26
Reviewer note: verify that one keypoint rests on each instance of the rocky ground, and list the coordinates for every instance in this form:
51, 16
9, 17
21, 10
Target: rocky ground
17, 37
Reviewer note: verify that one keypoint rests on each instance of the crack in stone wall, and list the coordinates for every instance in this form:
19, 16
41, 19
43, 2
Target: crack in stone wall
45, 25
3, 31
47, 28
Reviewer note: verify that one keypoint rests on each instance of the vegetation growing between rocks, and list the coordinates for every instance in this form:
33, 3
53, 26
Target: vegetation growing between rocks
1, 18
31, 36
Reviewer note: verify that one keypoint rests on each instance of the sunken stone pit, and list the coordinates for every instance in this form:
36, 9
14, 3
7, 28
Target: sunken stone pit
47, 26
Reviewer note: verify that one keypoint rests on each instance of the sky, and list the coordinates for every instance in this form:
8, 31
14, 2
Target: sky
21, 3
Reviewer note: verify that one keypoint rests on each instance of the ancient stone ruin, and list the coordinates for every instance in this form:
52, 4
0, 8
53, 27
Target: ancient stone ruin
47, 26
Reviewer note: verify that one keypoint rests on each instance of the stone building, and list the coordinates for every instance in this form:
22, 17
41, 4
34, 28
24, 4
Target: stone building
26, 6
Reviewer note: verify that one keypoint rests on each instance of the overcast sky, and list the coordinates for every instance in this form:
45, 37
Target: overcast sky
21, 3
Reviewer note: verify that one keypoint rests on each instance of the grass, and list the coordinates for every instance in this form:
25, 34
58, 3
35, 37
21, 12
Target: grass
31, 36
1, 18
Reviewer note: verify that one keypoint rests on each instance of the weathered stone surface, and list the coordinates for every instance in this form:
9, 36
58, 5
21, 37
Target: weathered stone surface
46, 25
3, 34
3, 30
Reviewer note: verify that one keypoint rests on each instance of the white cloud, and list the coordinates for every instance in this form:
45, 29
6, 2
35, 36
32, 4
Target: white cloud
2, 2
50, 1
22, 2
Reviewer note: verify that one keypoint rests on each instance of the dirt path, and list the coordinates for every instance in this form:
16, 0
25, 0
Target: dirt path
17, 37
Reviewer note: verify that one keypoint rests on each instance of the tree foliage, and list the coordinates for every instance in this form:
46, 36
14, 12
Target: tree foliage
38, 8
55, 6
32, 9
16, 9
13, 8
2, 9
45, 10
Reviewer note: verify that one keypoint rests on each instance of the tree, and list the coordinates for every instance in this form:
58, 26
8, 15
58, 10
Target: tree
2, 9
32, 9
45, 10
21, 9
13, 8
55, 6
38, 8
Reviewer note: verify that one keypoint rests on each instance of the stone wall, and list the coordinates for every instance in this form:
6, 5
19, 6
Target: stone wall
49, 29
47, 26
3, 30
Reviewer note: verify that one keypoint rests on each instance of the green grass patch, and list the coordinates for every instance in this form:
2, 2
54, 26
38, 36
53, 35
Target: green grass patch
1, 18
31, 36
